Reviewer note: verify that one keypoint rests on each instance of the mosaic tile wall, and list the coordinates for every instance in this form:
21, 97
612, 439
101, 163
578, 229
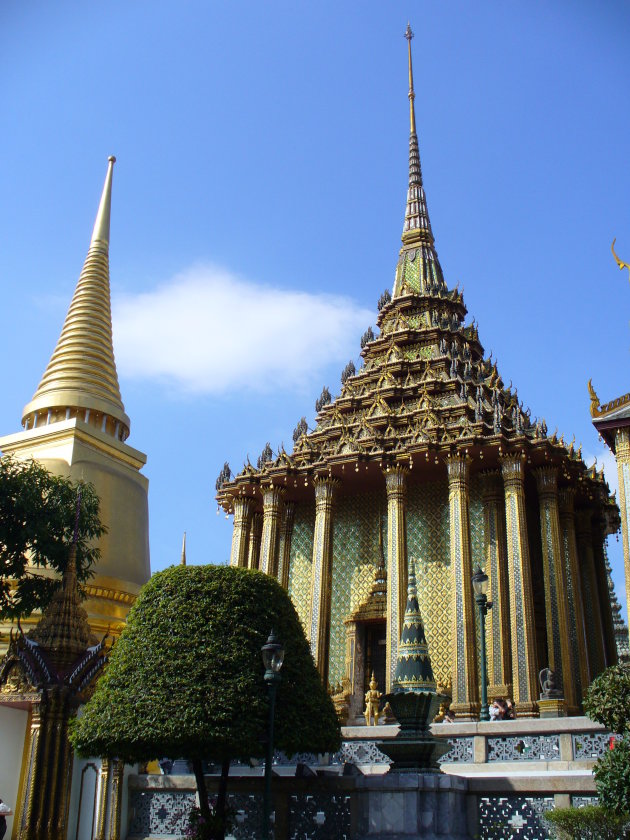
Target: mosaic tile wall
428, 543
477, 553
302, 560
355, 556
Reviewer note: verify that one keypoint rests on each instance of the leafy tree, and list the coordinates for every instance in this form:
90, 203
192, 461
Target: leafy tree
37, 520
186, 677
607, 699
592, 822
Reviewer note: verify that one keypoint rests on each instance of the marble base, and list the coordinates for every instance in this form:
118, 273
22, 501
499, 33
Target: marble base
409, 806
552, 707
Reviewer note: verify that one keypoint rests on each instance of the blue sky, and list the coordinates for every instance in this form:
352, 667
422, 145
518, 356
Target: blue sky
258, 205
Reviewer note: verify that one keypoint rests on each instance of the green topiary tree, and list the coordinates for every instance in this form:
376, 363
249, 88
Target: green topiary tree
607, 699
186, 677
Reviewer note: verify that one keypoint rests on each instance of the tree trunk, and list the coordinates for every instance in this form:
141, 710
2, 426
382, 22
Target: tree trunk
204, 807
222, 796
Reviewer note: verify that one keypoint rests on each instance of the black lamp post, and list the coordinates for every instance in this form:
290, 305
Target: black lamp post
480, 583
273, 657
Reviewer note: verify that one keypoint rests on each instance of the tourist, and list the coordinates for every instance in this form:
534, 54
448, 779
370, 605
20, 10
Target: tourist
509, 709
449, 716
5, 812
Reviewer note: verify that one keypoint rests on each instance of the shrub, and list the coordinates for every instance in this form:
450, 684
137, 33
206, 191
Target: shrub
593, 822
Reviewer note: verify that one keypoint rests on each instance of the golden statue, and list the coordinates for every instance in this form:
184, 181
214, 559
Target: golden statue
372, 702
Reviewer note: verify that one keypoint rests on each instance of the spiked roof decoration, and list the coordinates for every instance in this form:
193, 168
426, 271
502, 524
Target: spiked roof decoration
81, 374
425, 388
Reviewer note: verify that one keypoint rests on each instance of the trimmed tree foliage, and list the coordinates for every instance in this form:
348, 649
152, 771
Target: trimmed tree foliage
37, 518
186, 676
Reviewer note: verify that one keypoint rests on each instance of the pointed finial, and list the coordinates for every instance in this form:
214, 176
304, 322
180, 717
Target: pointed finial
100, 234
412, 95
619, 262
182, 562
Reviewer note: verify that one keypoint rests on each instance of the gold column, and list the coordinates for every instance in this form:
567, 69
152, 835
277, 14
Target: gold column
576, 627
622, 454
396, 486
498, 618
270, 543
599, 537
524, 667
556, 604
34, 779
243, 507
592, 614
319, 629
255, 536
118, 775
464, 680
286, 534
103, 799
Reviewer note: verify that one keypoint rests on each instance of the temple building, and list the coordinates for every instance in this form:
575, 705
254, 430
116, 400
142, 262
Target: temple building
426, 455
76, 426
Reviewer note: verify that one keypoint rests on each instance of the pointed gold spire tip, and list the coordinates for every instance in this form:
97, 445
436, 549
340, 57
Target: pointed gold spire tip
183, 557
100, 234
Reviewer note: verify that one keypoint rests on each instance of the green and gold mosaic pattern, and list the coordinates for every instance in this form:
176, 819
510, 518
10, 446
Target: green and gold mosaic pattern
302, 560
355, 557
428, 543
477, 551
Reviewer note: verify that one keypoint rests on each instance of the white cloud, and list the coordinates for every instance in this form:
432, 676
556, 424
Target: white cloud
209, 331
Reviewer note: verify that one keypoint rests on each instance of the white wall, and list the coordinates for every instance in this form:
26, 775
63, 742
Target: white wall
12, 734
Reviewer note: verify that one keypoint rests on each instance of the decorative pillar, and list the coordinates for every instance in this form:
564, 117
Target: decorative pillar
524, 668
286, 534
608, 630
118, 775
592, 613
498, 618
243, 507
255, 536
270, 541
622, 454
103, 800
396, 487
465, 682
556, 604
319, 629
577, 630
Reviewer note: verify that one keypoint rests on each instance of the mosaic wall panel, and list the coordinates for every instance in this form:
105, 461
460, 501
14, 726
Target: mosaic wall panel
355, 557
428, 543
477, 551
302, 560
514, 817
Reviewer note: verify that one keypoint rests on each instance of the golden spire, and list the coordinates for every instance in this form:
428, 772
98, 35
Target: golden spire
417, 227
182, 562
81, 379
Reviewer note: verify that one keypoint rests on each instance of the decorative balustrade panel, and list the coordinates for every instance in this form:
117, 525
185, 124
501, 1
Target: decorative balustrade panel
591, 744
319, 817
359, 752
583, 801
514, 817
461, 751
159, 813
248, 818
524, 748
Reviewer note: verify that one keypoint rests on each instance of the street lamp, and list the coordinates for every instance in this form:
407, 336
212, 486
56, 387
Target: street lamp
480, 584
273, 657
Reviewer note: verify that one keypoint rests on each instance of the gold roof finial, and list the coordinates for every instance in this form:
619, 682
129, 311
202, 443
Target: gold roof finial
81, 378
412, 95
621, 264
182, 562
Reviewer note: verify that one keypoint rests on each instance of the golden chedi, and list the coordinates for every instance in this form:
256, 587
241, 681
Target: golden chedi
76, 426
